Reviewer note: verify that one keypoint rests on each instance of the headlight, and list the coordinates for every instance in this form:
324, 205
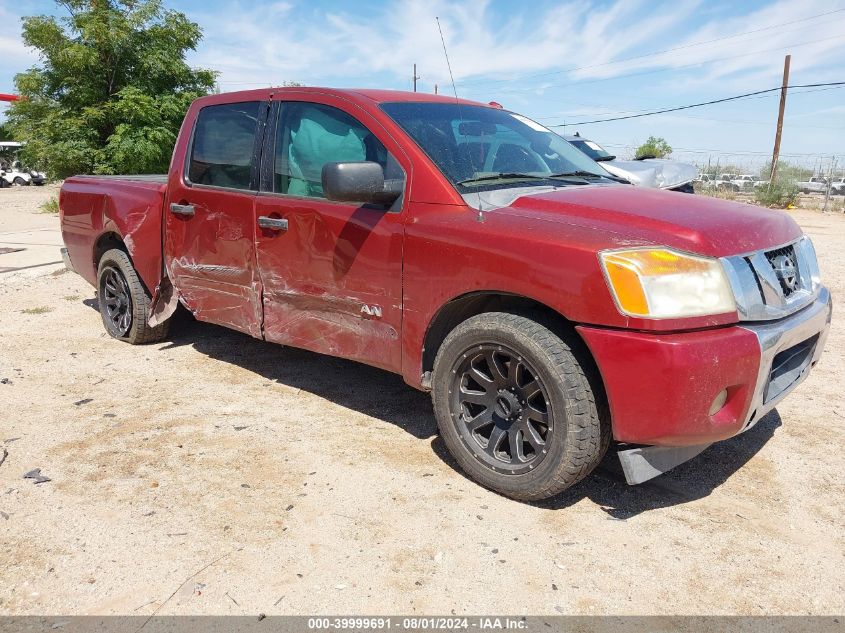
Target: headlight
659, 283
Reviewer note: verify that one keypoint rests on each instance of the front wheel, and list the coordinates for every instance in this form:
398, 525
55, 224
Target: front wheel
124, 303
515, 406
20, 182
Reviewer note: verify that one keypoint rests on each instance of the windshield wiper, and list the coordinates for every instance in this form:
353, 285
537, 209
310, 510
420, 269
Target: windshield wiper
501, 176
587, 174
577, 177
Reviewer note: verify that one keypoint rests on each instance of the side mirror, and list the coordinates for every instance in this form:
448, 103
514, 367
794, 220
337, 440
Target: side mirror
358, 182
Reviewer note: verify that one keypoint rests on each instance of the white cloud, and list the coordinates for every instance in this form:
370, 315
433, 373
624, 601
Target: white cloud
13, 52
522, 55
248, 48
526, 52
780, 27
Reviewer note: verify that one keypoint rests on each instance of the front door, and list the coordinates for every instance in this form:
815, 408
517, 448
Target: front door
331, 271
210, 218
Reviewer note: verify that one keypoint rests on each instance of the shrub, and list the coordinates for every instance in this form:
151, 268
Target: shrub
51, 206
779, 195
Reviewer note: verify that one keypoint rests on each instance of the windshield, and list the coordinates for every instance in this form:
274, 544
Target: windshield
593, 150
480, 148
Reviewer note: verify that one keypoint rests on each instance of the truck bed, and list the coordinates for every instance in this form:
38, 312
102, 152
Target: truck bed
95, 208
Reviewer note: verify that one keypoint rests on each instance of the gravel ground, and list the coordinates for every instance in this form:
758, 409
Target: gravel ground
215, 474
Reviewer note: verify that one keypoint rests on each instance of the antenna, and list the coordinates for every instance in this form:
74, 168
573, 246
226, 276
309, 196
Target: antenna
448, 65
480, 217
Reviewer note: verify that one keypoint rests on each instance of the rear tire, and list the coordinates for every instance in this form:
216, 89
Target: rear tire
20, 182
515, 405
124, 303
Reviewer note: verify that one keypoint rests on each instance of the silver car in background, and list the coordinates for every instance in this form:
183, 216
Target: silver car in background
657, 173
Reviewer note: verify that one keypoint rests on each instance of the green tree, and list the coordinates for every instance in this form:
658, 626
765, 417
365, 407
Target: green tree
5, 132
111, 88
654, 147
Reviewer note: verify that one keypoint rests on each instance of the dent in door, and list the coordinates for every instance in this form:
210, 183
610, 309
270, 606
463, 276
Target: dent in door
217, 260
318, 301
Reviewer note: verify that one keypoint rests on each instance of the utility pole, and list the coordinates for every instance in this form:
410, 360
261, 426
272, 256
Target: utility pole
435, 88
415, 77
776, 152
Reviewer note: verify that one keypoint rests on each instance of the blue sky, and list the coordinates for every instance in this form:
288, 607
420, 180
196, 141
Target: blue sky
557, 62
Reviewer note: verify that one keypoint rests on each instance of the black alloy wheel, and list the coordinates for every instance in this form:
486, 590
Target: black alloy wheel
519, 404
502, 408
118, 302
125, 302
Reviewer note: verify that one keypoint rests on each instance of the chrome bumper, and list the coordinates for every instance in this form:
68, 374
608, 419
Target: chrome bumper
775, 337
66, 260
809, 326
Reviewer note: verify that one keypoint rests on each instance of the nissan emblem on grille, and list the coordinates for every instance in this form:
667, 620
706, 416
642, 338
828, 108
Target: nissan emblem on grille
783, 263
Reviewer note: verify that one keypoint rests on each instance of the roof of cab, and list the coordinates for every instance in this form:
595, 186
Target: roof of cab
353, 94
387, 96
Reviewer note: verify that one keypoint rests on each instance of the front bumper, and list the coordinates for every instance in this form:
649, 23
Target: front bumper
789, 349
661, 387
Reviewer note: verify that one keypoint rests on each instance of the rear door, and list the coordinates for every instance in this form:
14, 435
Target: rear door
331, 271
210, 217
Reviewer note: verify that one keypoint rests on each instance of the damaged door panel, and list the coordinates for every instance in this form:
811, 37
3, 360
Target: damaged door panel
318, 276
332, 273
209, 240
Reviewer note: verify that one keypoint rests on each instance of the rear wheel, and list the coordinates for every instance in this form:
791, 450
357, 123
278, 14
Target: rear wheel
124, 303
515, 406
20, 182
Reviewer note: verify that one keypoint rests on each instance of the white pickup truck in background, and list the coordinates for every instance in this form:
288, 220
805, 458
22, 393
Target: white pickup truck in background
837, 187
747, 182
816, 184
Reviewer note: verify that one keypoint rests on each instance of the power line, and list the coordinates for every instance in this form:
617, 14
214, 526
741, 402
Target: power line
652, 54
698, 105
768, 123
727, 152
608, 112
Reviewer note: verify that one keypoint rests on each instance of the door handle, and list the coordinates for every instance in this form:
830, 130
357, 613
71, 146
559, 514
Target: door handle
274, 224
186, 210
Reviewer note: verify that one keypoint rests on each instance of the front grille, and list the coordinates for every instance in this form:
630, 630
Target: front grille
774, 283
785, 265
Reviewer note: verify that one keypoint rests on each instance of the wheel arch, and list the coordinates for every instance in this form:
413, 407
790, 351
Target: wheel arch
463, 307
113, 240
106, 242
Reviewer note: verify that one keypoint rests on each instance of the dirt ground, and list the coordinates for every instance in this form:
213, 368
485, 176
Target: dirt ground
216, 474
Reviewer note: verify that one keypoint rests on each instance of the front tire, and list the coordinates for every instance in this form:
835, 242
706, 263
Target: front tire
515, 406
20, 182
124, 303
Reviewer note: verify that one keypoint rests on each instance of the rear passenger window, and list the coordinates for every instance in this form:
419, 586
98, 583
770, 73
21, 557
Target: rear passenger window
222, 150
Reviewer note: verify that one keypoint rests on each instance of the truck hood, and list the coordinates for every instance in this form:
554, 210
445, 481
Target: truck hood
621, 215
653, 172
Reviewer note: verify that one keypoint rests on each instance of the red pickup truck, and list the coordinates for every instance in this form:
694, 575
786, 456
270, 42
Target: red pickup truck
548, 307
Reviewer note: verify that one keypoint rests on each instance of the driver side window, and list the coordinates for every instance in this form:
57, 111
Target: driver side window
309, 135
